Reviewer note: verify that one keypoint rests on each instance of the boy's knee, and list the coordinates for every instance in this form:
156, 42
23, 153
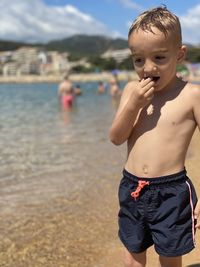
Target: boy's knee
134, 260
128, 262
170, 261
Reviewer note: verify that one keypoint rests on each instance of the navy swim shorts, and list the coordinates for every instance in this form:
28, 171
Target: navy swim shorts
157, 211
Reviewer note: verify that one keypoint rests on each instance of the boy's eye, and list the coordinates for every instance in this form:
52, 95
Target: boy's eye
160, 57
137, 60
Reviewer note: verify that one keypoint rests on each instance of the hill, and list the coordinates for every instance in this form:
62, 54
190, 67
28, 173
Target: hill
85, 45
6, 45
79, 45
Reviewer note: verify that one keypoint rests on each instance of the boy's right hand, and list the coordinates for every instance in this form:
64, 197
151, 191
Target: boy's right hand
144, 92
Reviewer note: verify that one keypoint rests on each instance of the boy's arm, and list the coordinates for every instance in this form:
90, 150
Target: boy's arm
196, 109
135, 96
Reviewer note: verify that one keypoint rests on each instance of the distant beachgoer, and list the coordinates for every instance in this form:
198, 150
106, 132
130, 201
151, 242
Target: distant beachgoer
66, 93
101, 88
115, 92
77, 90
114, 88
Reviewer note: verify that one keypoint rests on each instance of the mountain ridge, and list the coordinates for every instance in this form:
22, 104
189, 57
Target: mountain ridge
81, 45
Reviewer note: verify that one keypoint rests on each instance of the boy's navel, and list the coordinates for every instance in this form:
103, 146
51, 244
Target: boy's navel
145, 169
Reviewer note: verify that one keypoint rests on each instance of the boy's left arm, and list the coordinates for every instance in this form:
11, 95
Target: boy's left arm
196, 110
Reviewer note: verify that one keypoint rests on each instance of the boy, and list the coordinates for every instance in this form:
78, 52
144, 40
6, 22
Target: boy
157, 116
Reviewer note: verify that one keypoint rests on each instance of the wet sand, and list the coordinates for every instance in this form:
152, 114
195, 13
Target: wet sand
76, 230
43, 223
76, 77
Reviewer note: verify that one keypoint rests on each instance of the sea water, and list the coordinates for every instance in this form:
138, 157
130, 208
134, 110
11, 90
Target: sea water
46, 150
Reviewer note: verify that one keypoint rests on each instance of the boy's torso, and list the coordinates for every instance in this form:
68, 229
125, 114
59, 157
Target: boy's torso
161, 135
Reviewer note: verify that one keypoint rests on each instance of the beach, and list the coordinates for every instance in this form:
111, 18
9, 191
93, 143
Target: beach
59, 180
105, 76
74, 77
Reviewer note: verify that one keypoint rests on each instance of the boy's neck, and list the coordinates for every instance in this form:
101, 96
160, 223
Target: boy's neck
174, 85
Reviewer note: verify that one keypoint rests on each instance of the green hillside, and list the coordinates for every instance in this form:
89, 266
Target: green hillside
84, 45
10, 45
79, 45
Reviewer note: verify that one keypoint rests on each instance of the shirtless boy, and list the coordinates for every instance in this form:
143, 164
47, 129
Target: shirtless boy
157, 116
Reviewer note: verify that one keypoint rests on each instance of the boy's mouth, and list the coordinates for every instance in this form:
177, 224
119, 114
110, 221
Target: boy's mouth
153, 78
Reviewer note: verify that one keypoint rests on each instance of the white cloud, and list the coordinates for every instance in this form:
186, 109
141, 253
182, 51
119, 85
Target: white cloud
190, 23
132, 5
117, 34
34, 21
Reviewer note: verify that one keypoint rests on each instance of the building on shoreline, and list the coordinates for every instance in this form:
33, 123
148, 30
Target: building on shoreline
118, 55
33, 61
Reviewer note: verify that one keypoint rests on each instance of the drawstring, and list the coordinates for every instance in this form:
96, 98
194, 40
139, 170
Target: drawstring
141, 184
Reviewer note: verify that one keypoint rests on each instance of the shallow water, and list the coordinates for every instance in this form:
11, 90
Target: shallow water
57, 168
35, 136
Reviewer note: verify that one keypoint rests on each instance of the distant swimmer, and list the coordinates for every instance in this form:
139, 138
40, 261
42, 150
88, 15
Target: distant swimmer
114, 88
77, 90
66, 93
101, 88
115, 92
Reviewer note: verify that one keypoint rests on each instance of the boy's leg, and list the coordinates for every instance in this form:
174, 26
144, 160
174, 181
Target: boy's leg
134, 259
170, 261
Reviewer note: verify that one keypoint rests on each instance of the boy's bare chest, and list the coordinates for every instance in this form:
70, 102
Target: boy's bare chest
169, 114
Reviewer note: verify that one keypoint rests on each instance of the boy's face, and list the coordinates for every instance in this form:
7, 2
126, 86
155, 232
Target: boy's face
155, 56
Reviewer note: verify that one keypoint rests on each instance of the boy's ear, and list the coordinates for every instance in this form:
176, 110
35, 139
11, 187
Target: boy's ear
181, 53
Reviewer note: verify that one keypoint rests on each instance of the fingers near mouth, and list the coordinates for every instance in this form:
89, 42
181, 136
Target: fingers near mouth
153, 78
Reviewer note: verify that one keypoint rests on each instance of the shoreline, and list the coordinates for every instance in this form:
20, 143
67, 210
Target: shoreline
78, 77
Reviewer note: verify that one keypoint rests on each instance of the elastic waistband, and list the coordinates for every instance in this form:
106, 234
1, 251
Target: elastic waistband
157, 180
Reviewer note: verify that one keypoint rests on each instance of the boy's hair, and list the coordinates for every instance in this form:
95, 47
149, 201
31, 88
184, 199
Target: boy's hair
160, 18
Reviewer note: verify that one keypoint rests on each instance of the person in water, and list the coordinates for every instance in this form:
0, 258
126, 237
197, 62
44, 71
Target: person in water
157, 117
77, 90
101, 88
66, 93
114, 88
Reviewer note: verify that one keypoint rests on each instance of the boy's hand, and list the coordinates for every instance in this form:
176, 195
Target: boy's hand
144, 92
196, 214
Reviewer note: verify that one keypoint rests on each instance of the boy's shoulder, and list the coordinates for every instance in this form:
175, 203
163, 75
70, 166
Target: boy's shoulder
193, 90
193, 86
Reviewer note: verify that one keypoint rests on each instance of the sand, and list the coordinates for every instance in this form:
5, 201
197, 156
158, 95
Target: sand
74, 77
77, 231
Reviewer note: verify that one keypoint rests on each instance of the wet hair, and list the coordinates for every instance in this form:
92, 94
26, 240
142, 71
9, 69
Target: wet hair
160, 18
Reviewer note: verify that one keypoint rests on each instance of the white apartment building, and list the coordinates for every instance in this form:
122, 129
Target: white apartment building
118, 55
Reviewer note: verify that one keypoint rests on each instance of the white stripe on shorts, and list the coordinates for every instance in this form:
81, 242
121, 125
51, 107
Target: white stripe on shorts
192, 211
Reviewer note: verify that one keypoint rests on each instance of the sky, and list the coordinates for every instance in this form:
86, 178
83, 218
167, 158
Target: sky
46, 20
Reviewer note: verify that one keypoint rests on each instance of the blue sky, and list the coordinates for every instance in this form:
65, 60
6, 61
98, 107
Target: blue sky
45, 20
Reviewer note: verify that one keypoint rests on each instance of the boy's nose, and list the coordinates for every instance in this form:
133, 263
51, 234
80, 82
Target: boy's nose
149, 69
149, 66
